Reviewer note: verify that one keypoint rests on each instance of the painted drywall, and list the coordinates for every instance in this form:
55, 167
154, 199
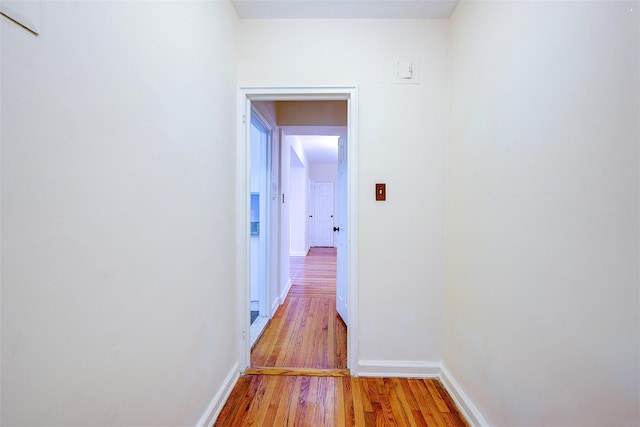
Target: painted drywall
299, 212
299, 200
296, 146
312, 113
25, 13
285, 214
327, 172
118, 278
541, 307
402, 139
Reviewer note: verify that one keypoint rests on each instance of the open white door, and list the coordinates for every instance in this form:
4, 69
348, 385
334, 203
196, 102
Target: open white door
341, 232
260, 174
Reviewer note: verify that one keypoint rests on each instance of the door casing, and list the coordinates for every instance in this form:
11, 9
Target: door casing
246, 96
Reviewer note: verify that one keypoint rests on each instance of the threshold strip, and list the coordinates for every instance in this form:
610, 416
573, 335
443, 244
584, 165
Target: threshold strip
306, 372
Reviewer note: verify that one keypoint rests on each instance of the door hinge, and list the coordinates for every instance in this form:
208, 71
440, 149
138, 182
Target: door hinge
244, 334
244, 118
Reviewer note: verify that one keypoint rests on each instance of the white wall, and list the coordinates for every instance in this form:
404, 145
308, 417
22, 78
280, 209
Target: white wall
542, 266
296, 145
400, 239
299, 194
118, 130
327, 172
299, 244
285, 214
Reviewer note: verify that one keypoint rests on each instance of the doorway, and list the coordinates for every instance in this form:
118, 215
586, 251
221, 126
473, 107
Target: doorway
348, 226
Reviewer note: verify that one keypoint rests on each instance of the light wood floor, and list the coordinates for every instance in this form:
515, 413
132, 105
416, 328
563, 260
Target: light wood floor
306, 331
263, 400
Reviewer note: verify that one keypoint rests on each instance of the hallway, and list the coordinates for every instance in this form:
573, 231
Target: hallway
306, 331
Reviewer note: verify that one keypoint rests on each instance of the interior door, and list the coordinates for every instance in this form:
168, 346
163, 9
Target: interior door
341, 233
260, 176
323, 214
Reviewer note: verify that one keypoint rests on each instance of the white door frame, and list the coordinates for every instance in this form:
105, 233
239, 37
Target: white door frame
246, 96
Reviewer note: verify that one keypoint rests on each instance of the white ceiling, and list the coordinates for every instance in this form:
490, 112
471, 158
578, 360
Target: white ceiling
380, 9
319, 143
319, 148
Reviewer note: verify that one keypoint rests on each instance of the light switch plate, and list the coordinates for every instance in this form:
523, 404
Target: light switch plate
381, 192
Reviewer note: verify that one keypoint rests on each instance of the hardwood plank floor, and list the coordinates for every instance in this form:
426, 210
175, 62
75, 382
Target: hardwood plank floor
306, 331
266, 400
299, 376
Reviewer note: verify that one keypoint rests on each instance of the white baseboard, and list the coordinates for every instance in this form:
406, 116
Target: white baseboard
213, 410
298, 253
465, 405
283, 295
274, 307
398, 368
369, 368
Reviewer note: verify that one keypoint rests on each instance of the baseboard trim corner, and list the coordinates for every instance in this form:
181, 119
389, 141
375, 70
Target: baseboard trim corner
464, 403
398, 368
298, 253
274, 307
283, 296
219, 399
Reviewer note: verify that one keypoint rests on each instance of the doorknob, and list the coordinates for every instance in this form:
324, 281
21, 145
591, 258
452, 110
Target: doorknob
336, 228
